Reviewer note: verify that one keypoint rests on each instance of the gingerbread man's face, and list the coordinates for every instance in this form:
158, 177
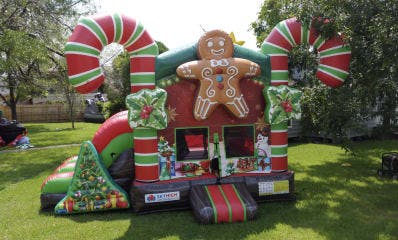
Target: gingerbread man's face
215, 44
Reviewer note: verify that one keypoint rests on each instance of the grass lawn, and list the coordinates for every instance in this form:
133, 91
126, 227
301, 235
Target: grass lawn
339, 196
47, 134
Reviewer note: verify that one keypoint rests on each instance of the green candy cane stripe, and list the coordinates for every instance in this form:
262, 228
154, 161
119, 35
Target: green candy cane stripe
335, 72
84, 77
82, 49
147, 78
144, 132
137, 33
319, 42
338, 50
118, 27
147, 50
93, 27
305, 34
283, 29
146, 159
279, 150
270, 48
279, 75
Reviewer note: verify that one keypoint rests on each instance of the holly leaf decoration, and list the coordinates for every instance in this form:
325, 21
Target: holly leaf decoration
283, 103
147, 109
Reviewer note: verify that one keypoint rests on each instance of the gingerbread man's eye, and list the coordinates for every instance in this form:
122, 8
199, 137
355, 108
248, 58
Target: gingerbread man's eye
210, 44
221, 43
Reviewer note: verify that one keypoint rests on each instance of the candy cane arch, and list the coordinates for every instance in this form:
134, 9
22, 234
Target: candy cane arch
82, 53
332, 70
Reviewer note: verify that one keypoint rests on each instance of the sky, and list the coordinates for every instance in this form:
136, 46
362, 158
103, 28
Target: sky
178, 23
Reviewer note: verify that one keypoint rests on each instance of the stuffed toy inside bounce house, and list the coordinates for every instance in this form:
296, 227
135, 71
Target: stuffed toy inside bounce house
214, 139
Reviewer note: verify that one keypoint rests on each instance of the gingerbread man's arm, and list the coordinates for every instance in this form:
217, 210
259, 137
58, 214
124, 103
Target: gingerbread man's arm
190, 70
247, 68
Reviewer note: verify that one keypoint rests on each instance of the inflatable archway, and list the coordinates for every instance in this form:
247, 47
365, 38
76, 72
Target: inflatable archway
82, 52
92, 34
334, 54
332, 70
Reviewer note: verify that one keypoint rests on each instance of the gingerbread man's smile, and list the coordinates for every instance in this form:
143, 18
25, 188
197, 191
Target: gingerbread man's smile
217, 52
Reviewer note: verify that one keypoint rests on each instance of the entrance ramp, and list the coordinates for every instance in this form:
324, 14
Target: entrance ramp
224, 203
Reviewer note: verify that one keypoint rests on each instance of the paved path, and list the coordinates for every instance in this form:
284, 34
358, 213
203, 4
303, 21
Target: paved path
39, 148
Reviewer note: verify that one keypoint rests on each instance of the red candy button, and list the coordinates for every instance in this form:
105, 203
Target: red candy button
218, 71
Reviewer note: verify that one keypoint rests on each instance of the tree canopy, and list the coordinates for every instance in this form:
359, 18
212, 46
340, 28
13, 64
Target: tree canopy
370, 28
32, 36
118, 81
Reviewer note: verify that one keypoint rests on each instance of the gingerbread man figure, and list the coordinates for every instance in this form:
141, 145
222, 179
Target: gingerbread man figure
219, 74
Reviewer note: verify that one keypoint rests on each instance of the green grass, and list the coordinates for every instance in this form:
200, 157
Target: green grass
48, 134
339, 196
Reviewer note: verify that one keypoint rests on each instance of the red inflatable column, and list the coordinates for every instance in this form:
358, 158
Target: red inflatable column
146, 155
143, 51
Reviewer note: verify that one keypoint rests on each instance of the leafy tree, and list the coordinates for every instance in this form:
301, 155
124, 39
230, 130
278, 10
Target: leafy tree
59, 75
271, 13
118, 86
371, 30
31, 33
162, 47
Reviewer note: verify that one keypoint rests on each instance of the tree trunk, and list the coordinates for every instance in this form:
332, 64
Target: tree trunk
72, 116
13, 104
70, 98
13, 108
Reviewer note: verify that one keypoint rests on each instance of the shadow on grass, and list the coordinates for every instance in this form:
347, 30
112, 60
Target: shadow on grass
20, 166
335, 200
38, 128
335, 209
335, 203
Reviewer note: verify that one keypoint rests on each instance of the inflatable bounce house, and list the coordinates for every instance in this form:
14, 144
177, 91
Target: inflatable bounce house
214, 139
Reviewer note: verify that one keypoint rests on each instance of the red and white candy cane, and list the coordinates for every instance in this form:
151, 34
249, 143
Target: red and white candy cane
332, 70
92, 34
82, 52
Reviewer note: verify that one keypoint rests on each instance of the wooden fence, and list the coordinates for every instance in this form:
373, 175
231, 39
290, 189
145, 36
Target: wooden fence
43, 113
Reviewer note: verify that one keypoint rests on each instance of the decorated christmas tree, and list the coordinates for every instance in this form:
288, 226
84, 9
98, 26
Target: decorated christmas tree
92, 188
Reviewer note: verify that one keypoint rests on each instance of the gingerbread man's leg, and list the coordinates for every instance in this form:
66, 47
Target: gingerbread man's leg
235, 101
238, 106
204, 107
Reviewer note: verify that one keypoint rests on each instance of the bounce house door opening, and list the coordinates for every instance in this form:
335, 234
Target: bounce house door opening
192, 144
